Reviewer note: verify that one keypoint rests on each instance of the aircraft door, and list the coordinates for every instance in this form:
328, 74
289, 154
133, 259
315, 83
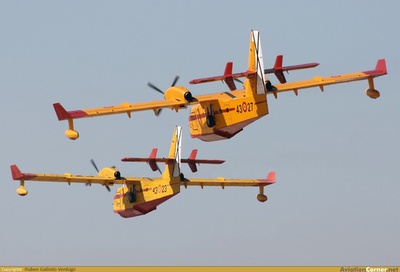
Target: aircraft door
226, 114
195, 119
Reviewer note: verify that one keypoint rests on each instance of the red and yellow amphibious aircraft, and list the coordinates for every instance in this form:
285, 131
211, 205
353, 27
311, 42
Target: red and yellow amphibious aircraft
141, 195
222, 115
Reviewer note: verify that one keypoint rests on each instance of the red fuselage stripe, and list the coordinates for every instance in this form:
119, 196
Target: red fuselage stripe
204, 115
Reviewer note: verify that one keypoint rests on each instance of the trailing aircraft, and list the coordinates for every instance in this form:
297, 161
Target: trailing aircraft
141, 195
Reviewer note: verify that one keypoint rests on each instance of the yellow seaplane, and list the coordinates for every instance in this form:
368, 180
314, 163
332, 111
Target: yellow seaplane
222, 115
141, 195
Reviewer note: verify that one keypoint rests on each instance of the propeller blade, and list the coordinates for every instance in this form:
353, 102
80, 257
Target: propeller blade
94, 165
154, 87
175, 81
97, 169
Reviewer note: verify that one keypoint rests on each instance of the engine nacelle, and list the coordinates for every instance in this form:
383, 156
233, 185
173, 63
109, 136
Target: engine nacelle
72, 134
22, 191
262, 197
109, 172
178, 93
372, 93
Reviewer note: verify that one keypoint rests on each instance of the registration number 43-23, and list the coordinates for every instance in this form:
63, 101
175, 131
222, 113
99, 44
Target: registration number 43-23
160, 189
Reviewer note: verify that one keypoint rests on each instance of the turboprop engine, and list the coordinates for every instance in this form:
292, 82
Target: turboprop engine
178, 93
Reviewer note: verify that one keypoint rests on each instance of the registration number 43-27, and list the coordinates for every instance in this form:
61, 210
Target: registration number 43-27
245, 107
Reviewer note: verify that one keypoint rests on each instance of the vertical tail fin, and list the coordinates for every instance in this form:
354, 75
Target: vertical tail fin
256, 64
174, 169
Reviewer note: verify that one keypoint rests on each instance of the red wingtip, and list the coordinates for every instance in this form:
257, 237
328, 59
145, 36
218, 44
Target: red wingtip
381, 66
16, 173
62, 114
271, 177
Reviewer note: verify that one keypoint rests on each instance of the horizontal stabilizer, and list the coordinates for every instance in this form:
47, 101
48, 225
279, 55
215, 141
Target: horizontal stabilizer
278, 70
191, 161
227, 77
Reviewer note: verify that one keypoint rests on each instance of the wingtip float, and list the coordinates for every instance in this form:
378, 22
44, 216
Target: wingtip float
141, 195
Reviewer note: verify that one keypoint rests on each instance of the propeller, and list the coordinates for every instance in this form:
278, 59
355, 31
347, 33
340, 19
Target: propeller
154, 87
94, 165
97, 169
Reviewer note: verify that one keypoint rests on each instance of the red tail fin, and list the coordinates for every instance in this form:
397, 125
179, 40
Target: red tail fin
228, 78
152, 160
192, 161
278, 69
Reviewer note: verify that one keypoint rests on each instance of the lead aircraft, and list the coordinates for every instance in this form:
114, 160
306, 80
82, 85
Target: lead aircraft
222, 115
141, 195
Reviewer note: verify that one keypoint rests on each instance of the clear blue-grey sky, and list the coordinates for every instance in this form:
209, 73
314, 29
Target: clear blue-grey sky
336, 154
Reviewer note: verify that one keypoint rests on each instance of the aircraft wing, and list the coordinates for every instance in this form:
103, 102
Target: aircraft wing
175, 98
67, 178
125, 107
223, 182
320, 82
